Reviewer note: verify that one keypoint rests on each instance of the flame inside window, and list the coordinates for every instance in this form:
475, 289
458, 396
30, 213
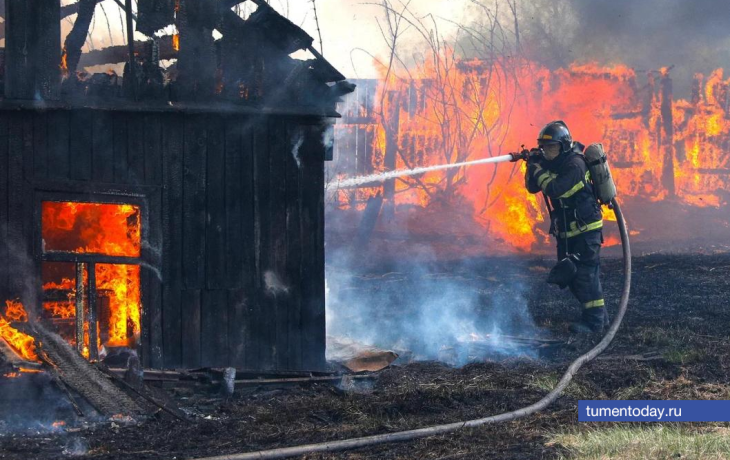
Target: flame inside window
99, 228
102, 232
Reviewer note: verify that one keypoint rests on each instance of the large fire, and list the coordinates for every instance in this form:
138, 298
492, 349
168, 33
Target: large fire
95, 228
452, 110
22, 344
99, 228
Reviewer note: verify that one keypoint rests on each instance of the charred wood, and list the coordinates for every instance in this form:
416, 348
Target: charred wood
145, 393
76, 38
81, 376
668, 131
68, 10
154, 15
117, 54
197, 61
32, 49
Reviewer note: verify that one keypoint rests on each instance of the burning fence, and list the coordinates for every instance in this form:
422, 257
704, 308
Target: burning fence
661, 147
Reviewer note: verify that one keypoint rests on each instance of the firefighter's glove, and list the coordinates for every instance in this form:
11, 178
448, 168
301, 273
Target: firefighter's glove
534, 169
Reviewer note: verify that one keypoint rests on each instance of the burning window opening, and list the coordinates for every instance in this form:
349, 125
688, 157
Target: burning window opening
96, 304
97, 228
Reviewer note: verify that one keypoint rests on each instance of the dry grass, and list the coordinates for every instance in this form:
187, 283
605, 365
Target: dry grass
639, 443
547, 382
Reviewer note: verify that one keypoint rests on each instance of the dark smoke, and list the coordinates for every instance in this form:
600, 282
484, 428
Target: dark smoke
692, 35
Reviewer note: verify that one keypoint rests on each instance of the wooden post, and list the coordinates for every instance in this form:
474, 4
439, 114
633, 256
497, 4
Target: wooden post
80, 307
32, 49
668, 134
197, 55
392, 127
93, 349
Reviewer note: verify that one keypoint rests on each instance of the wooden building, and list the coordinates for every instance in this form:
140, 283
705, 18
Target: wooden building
225, 218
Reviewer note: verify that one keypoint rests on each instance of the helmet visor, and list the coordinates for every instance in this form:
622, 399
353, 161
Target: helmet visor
551, 149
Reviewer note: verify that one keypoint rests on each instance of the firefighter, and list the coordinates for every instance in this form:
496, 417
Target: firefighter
562, 175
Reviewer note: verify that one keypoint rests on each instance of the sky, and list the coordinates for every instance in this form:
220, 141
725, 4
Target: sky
348, 27
693, 35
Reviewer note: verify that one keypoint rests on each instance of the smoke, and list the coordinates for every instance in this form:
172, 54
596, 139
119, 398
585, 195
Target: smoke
297, 141
76, 447
433, 309
21, 274
646, 35
274, 284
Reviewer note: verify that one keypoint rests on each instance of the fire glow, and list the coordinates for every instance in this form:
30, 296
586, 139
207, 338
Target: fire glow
22, 344
103, 229
454, 111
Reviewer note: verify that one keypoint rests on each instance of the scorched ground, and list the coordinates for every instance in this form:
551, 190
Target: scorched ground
673, 345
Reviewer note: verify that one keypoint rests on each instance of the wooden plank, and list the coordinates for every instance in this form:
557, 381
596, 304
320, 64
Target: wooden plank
121, 162
172, 171
262, 320
28, 225
58, 147
81, 144
240, 263
135, 153
294, 257
312, 219
4, 193
19, 70
40, 146
319, 330
16, 239
28, 146
236, 198
153, 149
246, 310
214, 328
146, 318
32, 49
154, 315
193, 260
172, 326
48, 57
103, 147
191, 328
215, 244
153, 307
239, 331
279, 152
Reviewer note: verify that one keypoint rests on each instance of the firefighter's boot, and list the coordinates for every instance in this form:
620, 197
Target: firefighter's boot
592, 321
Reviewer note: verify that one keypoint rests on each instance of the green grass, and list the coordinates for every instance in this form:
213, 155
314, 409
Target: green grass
676, 345
638, 443
547, 382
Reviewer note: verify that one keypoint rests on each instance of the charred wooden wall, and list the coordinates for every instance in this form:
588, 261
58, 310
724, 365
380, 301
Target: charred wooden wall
234, 219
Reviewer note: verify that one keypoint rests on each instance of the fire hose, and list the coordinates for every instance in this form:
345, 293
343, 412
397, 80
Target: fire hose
548, 399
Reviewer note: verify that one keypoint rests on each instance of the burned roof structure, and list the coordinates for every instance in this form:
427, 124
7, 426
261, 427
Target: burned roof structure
175, 210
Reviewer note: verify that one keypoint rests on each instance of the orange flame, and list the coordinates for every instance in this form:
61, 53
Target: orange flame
98, 228
176, 42
463, 110
22, 344
64, 63
109, 229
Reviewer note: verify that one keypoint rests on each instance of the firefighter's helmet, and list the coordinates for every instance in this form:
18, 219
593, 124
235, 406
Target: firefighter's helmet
556, 131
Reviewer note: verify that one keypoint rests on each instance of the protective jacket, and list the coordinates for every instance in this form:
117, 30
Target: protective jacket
566, 182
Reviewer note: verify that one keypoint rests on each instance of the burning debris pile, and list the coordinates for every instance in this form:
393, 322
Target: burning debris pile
662, 149
27, 348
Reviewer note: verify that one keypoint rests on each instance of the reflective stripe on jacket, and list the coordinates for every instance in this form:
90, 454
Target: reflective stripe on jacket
566, 182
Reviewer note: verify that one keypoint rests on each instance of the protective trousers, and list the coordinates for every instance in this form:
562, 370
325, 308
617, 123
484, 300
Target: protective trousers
586, 286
